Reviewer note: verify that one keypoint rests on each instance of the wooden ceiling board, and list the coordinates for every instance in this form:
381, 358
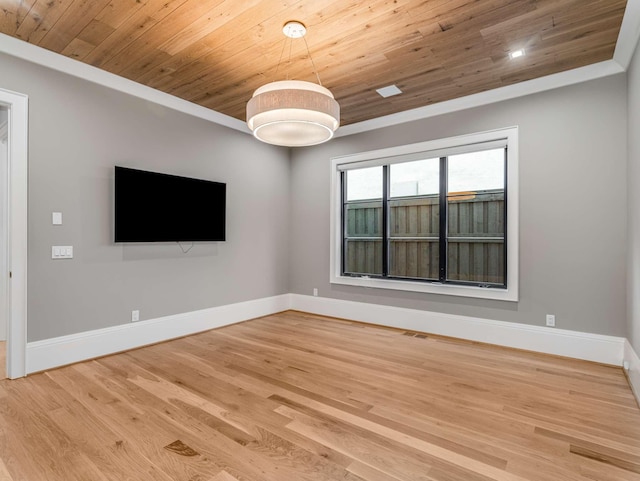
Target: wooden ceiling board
201, 64
39, 20
95, 33
118, 12
136, 57
325, 49
77, 48
239, 37
131, 41
71, 23
16, 13
217, 52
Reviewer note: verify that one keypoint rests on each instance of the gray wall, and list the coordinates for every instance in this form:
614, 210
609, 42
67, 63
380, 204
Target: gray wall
573, 163
633, 177
78, 131
573, 151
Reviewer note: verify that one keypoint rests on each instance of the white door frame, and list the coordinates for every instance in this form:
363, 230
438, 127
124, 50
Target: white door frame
16, 196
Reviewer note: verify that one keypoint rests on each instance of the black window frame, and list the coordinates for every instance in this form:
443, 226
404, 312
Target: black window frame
443, 237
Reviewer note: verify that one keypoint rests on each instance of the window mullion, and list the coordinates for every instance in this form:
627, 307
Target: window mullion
442, 244
385, 221
506, 206
343, 220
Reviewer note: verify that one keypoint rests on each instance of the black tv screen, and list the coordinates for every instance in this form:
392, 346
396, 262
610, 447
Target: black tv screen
154, 207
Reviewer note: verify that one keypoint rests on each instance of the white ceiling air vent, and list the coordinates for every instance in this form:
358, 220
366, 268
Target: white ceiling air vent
389, 91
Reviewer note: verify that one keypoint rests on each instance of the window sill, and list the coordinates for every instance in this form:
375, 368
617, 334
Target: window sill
429, 288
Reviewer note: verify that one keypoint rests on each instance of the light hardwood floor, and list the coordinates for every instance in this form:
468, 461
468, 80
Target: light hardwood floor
295, 397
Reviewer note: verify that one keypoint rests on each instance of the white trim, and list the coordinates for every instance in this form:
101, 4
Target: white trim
625, 47
17, 230
578, 345
622, 56
59, 351
4, 231
628, 35
40, 56
425, 150
633, 370
364, 158
542, 84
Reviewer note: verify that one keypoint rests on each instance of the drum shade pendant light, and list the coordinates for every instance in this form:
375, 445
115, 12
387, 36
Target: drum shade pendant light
293, 113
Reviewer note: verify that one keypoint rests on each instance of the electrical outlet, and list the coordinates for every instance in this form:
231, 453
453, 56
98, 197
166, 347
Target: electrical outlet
135, 316
551, 320
315, 292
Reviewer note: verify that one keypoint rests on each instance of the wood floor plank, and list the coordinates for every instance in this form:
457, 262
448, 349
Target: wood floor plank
4, 472
257, 446
300, 397
55, 450
275, 425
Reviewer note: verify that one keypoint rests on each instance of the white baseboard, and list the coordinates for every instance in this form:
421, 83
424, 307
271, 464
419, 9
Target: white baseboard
633, 370
59, 351
561, 342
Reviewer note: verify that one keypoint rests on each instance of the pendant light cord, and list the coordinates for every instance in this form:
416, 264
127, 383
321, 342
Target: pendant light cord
284, 46
315, 70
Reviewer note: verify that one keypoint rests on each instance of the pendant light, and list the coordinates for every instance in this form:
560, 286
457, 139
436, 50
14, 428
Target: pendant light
293, 113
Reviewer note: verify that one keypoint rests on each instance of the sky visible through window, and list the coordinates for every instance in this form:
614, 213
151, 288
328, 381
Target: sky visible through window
467, 172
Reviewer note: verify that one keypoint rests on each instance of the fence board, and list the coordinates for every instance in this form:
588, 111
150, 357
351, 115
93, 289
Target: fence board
475, 231
414, 258
364, 257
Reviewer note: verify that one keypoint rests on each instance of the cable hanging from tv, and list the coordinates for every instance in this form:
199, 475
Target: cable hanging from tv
182, 248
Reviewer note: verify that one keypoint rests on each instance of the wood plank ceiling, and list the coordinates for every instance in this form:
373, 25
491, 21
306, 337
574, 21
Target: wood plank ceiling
217, 52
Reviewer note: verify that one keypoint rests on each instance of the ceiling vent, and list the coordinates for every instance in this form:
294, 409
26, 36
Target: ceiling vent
389, 91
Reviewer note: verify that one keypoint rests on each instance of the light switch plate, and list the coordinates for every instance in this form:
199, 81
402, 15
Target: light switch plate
56, 218
62, 252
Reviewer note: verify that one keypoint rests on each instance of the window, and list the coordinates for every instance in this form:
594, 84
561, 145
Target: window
437, 216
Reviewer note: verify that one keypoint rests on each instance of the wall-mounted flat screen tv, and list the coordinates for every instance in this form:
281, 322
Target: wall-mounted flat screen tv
154, 207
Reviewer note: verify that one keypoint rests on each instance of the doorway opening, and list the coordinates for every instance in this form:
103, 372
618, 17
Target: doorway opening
13, 231
4, 248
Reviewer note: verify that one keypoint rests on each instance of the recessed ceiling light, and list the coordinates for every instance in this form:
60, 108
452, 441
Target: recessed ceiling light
389, 91
517, 53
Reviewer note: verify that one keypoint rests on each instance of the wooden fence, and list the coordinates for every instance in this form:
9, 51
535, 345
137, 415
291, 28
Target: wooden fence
475, 237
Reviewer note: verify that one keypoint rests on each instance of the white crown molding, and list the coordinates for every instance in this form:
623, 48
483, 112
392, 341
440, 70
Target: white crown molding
627, 40
625, 47
629, 34
550, 82
560, 342
32, 53
59, 351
